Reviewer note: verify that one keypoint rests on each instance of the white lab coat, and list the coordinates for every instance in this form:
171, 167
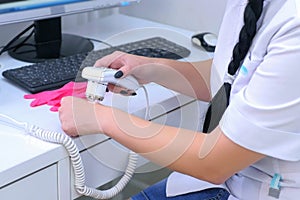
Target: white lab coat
264, 110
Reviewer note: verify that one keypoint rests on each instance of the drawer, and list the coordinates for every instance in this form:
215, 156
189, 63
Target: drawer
37, 186
189, 116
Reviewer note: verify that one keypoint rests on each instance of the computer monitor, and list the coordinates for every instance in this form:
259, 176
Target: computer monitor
46, 40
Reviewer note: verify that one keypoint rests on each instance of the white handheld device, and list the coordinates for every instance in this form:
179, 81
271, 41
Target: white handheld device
98, 79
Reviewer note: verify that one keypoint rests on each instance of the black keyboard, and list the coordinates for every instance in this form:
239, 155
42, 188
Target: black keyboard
54, 73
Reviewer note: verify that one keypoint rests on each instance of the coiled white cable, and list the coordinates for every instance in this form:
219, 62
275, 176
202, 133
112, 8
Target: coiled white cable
79, 174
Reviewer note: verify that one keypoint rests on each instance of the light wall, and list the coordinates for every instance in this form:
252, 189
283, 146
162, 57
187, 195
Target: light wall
195, 15
7, 32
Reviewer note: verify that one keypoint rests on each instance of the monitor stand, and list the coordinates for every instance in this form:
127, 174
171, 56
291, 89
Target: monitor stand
48, 42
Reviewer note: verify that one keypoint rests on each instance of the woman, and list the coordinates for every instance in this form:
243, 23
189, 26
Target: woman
255, 149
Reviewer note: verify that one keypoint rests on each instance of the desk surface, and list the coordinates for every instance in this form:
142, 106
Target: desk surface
21, 154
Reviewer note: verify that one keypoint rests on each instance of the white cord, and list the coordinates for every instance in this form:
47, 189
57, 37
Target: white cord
70, 146
147, 112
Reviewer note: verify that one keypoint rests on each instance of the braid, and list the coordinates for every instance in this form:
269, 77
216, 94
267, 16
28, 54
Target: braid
220, 101
252, 13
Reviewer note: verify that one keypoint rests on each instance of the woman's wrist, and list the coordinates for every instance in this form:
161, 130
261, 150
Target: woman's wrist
103, 116
153, 69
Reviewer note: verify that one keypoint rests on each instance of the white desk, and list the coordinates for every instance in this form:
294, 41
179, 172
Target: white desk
33, 169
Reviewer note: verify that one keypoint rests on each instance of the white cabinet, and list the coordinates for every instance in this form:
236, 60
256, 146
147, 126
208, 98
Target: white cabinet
39, 185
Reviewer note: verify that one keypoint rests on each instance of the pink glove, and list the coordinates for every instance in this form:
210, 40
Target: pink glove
53, 97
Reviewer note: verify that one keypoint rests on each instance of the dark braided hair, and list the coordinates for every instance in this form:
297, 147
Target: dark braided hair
252, 14
220, 101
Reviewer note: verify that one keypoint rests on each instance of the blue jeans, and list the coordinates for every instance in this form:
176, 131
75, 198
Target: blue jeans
158, 192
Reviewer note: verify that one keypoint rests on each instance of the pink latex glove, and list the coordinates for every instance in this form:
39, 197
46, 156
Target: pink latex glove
53, 97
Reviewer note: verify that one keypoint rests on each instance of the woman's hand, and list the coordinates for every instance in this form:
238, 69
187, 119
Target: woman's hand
138, 66
78, 116
191, 79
